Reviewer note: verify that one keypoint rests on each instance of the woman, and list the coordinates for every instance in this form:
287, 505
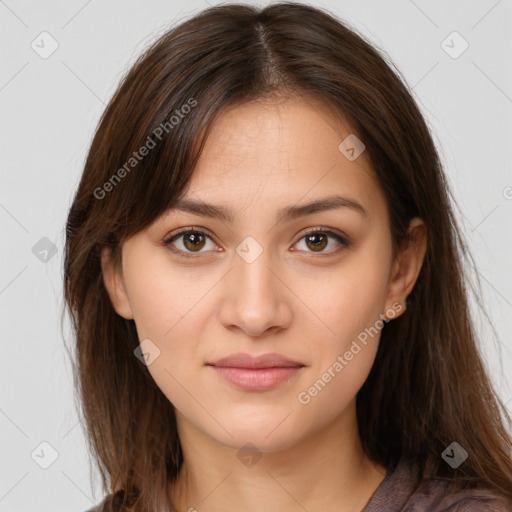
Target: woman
266, 281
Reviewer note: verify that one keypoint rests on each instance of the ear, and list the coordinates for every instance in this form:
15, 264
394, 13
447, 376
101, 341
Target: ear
115, 285
407, 264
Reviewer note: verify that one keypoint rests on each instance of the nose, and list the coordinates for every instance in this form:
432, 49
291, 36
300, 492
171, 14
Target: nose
255, 298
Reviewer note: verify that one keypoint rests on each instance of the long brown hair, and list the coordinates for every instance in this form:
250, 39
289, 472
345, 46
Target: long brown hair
428, 385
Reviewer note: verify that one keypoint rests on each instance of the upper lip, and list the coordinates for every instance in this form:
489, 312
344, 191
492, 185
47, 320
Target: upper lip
270, 360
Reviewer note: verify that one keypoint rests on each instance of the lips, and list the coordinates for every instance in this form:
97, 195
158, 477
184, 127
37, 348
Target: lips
256, 373
255, 362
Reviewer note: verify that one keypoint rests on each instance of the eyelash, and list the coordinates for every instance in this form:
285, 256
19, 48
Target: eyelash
344, 242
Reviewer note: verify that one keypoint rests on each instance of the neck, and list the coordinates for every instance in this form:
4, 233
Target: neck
327, 471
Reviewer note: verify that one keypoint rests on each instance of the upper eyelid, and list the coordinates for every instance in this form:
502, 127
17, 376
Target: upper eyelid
183, 231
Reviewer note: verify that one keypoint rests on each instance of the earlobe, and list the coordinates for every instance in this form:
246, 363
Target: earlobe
408, 263
114, 284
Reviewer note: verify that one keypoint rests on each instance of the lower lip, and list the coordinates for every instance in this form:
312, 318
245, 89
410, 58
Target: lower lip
256, 379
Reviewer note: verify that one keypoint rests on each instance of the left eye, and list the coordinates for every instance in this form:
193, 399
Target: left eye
192, 241
317, 240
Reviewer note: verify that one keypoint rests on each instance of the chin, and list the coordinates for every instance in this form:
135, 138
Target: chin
256, 441
267, 433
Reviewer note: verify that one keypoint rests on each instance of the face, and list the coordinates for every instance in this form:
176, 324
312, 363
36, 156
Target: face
256, 281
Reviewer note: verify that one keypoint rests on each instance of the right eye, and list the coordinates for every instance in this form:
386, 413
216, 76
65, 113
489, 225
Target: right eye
191, 240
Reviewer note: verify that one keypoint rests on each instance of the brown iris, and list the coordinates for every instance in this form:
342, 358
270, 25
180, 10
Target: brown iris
194, 241
317, 245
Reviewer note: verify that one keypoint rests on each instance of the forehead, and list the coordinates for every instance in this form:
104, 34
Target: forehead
280, 152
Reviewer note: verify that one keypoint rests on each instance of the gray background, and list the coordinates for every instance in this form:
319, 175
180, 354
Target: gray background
49, 109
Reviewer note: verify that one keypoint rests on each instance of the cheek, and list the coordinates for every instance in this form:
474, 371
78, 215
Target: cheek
345, 300
342, 361
163, 299
349, 306
334, 388
169, 310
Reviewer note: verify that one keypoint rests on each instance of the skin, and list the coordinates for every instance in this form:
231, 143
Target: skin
308, 306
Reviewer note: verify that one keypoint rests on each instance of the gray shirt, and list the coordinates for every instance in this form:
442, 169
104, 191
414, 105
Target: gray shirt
397, 493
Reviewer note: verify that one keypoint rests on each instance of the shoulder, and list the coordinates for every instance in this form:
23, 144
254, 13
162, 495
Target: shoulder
432, 495
403, 490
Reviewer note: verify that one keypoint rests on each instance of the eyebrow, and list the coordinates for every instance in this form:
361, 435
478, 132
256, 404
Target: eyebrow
287, 213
